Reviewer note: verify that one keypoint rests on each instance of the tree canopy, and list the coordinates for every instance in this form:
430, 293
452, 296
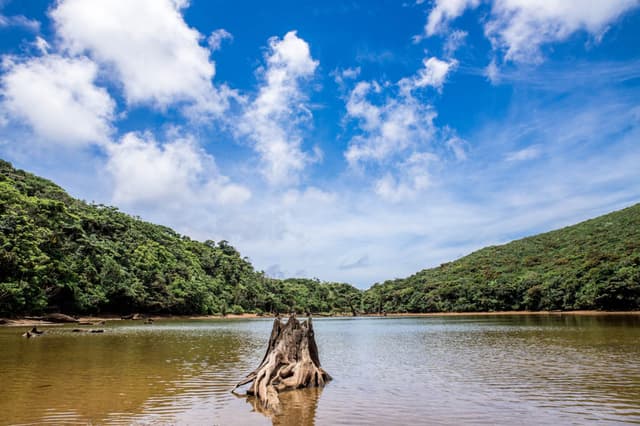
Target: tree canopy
591, 265
62, 254
59, 253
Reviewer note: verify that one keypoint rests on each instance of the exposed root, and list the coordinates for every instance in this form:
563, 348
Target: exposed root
291, 362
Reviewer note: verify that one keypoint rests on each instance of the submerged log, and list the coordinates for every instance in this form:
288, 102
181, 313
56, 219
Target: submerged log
62, 318
291, 362
132, 317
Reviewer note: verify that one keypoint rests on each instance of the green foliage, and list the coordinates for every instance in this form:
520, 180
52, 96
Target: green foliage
58, 253
591, 265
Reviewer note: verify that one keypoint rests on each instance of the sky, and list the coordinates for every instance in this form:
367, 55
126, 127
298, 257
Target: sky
352, 141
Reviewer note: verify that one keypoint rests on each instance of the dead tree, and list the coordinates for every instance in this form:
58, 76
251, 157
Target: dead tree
291, 362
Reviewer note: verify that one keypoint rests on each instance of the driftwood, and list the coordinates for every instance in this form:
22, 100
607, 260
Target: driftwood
60, 318
132, 317
291, 362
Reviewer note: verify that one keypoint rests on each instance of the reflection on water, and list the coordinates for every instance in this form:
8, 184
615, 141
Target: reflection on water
298, 407
436, 370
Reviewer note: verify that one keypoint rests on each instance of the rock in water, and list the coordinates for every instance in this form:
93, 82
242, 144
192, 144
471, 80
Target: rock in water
291, 362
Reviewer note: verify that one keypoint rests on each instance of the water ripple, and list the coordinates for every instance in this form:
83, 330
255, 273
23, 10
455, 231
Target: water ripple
481, 370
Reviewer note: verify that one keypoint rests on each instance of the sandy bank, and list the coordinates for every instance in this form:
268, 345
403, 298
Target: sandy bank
99, 320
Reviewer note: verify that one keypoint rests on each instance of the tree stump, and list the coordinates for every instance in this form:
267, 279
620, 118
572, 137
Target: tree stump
291, 362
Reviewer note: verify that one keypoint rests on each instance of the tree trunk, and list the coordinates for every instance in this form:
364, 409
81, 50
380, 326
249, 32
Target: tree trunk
291, 362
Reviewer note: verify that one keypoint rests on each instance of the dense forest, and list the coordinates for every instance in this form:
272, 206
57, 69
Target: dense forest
62, 254
591, 265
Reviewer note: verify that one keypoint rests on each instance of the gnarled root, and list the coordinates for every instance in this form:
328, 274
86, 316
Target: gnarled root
291, 362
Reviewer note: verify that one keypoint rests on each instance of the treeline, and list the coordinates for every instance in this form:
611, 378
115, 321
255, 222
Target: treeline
591, 265
61, 254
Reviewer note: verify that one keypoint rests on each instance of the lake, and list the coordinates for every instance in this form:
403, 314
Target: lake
503, 369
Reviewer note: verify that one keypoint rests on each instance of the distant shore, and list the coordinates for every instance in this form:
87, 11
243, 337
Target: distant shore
95, 320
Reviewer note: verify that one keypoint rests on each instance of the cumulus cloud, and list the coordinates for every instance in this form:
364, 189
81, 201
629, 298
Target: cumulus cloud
444, 11
519, 28
273, 120
58, 98
146, 172
395, 130
433, 74
387, 128
155, 55
391, 118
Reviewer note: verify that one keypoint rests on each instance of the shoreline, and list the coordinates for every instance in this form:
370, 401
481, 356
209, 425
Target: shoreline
95, 320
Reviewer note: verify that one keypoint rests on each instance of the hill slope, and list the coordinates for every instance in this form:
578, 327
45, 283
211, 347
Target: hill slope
59, 253
591, 265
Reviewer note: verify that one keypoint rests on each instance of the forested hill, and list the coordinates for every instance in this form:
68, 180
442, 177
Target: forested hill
61, 254
591, 265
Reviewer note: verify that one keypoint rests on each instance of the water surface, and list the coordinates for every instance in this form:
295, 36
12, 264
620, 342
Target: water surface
436, 370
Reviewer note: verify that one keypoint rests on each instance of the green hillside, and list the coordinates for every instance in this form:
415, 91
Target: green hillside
62, 254
591, 265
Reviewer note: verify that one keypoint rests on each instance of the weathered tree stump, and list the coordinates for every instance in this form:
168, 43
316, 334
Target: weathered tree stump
291, 362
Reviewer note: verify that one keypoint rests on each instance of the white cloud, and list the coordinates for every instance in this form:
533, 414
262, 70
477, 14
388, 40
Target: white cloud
148, 173
528, 153
273, 119
433, 74
521, 27
217, 37
457, 145
351, 72
455, 40
341, 76
395, 131
156, 56
392, 120
414, 177
42, 45
386, 129
492, 72
57, 97
19, 21
445, 11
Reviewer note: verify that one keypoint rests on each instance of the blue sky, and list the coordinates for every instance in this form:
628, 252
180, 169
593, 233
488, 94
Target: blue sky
349, 141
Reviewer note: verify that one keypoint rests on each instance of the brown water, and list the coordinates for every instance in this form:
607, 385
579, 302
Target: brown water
436, 370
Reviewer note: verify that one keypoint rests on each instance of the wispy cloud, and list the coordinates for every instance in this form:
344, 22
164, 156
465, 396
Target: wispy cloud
273, 120
20, 21
519, 29
528, 153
